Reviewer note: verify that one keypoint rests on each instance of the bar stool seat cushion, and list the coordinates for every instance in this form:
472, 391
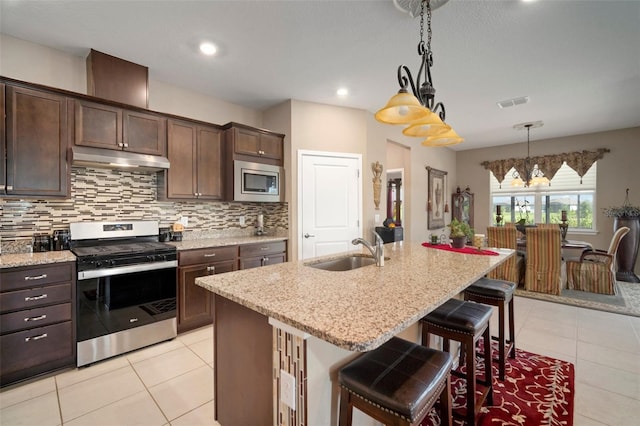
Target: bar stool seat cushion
460, 316
400, 376
495, 289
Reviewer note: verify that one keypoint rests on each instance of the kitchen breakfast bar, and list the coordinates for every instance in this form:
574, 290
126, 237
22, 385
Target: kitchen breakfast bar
282, 332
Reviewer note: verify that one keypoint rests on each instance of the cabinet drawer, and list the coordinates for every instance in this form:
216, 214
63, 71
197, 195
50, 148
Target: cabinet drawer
34, 297
250, 250
35, 276
30, 348
38, 317
208, 255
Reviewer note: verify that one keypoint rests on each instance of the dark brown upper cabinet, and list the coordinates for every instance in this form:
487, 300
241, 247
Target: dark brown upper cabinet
256, 145
104, 126
3, 143
195, 153
37, 140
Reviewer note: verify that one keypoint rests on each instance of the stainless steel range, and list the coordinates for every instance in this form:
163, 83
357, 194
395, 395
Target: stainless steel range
126, 288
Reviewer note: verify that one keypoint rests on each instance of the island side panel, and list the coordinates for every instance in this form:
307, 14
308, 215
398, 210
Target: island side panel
243, 370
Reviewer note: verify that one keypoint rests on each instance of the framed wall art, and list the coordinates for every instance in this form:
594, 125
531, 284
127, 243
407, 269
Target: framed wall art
435, 198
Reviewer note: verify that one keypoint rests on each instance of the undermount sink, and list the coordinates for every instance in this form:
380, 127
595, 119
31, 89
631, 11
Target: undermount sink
345, 263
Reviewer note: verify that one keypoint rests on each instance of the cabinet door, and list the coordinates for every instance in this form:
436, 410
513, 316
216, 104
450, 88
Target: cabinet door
144, 133
256, 262
271, 146
97, 125
3, 143
181, 177
37, 142
194, 302
209, 163
247, 142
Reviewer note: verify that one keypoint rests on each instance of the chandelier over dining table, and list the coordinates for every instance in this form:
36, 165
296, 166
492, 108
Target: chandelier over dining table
419, 110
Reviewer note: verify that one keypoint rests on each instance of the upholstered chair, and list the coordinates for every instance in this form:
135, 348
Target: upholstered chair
547, 225
506, 237
544, 260
596, 270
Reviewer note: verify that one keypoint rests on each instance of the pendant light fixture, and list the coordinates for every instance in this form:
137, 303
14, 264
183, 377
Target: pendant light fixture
533, 175
419, 109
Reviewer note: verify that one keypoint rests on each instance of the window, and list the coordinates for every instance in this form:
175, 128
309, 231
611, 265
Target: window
545, 203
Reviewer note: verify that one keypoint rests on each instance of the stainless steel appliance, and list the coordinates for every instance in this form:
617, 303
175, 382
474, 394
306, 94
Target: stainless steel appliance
126, 288
257, 182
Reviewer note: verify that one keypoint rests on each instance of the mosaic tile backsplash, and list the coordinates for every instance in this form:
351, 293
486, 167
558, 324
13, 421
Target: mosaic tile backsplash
106, 195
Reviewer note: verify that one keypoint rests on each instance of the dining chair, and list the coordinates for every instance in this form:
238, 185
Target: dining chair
543, 269
595, 272
513, 268
547, 225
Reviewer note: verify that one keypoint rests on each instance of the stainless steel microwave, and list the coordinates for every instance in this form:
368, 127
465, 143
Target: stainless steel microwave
257, 182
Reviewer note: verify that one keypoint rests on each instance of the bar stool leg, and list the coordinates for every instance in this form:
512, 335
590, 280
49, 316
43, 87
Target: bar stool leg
512, 333
488, 371
346, 408
471, 381
501, 342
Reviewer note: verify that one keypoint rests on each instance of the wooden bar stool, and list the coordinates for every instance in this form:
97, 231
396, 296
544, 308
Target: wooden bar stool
464, 322
497, 293
397, 384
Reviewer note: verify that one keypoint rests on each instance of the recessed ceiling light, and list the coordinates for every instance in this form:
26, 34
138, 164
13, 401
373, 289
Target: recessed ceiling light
342, 92
208, 48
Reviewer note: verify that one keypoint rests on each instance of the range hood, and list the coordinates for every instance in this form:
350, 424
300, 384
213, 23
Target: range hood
113, 159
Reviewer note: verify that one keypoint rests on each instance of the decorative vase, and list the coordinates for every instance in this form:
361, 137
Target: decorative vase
458, 242
628, 248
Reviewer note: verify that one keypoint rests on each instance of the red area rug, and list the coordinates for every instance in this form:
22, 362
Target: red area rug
537, 390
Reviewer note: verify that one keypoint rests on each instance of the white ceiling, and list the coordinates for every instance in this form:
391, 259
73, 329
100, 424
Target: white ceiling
578, 61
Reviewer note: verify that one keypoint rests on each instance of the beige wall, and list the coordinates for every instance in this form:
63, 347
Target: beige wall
319, 127
379, 135
617, 171
34, 63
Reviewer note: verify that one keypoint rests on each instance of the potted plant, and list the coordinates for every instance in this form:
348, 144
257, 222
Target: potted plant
460, 232
629, 216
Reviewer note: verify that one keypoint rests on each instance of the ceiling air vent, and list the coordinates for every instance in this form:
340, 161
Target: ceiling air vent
513, 102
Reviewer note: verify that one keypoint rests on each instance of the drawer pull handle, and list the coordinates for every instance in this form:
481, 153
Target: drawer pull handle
36, 277
29, 299
133, 319
42, 336
264, 248
209, 255
38, 318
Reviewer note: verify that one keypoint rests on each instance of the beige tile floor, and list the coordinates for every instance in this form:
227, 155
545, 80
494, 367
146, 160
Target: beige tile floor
172, 383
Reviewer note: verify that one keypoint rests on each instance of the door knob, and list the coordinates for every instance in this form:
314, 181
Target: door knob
307, 235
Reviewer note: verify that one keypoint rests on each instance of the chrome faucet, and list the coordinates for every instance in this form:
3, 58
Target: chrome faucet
377, 252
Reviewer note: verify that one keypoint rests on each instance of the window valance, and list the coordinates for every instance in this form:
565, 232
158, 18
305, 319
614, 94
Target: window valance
580, 161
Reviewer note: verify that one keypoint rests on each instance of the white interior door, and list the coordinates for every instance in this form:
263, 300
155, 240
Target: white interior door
329, 202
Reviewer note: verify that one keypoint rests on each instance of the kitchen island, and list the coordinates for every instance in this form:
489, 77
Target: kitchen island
310, 322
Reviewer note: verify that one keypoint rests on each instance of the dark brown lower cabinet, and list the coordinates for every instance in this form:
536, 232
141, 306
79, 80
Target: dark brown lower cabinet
37, 315
262, 254
194, 302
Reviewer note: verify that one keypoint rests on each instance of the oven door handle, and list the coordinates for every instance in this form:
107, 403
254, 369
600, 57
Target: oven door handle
121, 270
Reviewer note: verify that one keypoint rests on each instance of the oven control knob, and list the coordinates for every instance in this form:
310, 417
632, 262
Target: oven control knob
98, 264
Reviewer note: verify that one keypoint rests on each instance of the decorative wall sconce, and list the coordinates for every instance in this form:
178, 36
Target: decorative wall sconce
377, 182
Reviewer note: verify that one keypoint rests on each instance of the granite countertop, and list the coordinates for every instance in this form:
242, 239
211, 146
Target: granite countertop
30, 259
225, 241
357, 310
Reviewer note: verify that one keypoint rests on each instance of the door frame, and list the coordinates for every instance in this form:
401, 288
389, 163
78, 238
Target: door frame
312, 153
